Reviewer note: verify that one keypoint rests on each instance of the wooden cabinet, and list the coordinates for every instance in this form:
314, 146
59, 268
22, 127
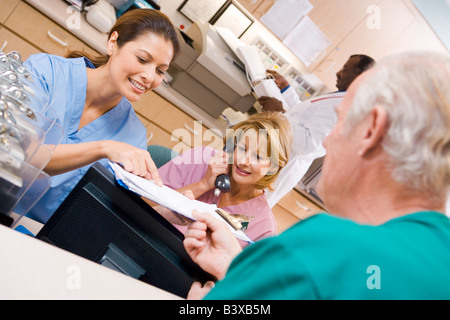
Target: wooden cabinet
6, 7
285, 219
186, 128
169, 126
10, 42
292, 208
42, 32
299, 205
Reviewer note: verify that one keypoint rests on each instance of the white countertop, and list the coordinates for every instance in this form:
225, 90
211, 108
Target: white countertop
33, 269
59, 11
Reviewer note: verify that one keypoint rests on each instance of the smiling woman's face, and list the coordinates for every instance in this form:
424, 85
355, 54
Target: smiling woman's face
139, 65
251, 162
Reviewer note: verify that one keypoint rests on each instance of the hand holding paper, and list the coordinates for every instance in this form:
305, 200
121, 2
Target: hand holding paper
168, 197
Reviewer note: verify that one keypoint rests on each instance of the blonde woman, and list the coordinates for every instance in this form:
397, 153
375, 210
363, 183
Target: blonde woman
258, 148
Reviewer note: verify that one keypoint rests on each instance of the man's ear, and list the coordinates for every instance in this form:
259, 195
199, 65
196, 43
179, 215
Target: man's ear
112, 43
376, 127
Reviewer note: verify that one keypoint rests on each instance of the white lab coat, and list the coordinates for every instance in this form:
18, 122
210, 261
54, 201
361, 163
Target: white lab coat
312, 121
291, 97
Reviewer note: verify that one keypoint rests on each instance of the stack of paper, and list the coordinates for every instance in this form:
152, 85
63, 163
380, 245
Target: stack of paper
168, 197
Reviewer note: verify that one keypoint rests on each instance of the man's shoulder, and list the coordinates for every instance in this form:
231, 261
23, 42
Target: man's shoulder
327, 232
322, 223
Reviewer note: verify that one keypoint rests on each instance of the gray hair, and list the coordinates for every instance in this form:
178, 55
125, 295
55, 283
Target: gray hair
414, 89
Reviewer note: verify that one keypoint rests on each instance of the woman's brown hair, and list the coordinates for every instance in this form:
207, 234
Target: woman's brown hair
133, 24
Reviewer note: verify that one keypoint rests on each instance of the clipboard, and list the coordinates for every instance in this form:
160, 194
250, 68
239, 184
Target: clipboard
169, 198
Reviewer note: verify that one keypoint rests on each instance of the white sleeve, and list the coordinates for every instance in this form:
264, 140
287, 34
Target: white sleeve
312, 121
291, 97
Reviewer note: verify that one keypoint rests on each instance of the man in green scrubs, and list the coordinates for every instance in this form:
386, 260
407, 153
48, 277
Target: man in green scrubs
385, 181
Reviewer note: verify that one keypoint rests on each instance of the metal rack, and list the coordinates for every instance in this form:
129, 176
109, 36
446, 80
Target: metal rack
26, 120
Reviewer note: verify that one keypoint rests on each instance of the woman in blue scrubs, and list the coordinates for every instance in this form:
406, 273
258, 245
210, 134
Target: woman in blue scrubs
92, 97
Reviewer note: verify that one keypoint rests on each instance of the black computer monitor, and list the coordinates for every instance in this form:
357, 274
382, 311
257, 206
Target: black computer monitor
108, 224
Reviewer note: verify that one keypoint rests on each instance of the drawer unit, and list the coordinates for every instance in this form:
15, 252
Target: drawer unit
284, 218
150, 105
43, 33
174, 124
6, 7
9, 42
298, 205
292, 208
157, 135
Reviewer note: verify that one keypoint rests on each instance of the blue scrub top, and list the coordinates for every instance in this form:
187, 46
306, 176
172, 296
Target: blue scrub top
66, 85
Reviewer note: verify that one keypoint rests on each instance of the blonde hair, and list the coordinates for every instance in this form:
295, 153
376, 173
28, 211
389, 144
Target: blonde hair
274, 127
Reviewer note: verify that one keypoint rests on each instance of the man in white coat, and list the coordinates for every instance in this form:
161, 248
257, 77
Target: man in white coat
311, 120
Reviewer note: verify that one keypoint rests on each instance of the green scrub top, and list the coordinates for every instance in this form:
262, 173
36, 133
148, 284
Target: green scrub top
327, 257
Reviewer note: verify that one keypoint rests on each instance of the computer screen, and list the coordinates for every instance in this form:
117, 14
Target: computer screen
107, 224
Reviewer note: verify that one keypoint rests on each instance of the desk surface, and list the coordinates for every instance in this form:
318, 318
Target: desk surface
33, 269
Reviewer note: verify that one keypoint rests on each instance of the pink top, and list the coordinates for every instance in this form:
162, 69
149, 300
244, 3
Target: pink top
191, 167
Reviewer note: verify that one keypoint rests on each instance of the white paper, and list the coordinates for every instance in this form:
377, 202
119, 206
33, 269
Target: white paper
230, 38
284, 15
168, 197
268, 88
249, 55
307, 41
